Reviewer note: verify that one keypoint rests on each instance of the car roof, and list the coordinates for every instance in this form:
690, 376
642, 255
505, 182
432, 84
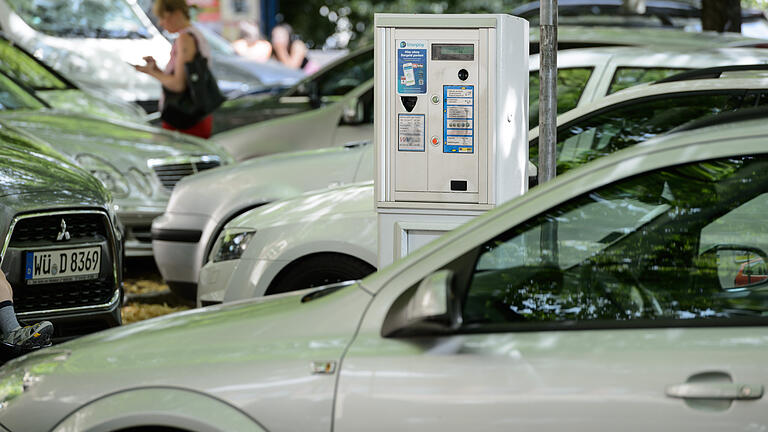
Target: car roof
655, 56
651, 89
571, 35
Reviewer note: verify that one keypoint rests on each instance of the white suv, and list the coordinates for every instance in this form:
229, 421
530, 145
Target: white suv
631, 320
288, 237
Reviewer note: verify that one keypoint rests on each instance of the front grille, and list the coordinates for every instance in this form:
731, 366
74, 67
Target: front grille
81, 227
30, 298
39, 232
170, 171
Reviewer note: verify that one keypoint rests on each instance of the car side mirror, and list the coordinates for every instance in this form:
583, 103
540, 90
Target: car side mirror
354, 112
738, 266
433, 307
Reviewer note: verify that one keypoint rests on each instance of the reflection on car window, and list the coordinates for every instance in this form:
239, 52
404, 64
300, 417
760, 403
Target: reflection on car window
627, 77
111, 19
628, 124
26, 70
570, 85
627, 251
13, 97
342, 78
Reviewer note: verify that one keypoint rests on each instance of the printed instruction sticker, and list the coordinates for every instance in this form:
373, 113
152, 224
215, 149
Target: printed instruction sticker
410, 132
411, 67
458, 119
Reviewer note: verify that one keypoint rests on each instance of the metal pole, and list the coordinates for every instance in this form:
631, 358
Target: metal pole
548, 117
547, 90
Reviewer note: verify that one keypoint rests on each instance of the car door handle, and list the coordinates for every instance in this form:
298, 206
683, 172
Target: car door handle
715, 391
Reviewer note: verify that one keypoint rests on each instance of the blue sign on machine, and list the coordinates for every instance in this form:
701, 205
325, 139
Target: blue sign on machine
412, 67
458, 119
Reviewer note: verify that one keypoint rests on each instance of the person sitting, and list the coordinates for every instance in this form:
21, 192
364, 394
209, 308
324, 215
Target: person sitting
251, 45
30, 337
290, 50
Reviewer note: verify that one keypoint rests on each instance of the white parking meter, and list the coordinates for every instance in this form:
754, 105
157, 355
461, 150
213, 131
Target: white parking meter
451, 122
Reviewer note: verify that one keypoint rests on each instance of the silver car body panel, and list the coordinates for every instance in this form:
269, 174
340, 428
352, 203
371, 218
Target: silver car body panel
254, 381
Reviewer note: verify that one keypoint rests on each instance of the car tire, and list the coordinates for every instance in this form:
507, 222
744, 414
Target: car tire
318, 270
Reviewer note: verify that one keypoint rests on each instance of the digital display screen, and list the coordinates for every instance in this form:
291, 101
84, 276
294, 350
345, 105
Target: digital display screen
461, 52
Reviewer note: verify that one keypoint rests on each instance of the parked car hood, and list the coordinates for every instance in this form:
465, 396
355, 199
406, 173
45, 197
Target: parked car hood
124, 144
243, 353
269, 178
79, 101
312, 206
27, 167
103, 63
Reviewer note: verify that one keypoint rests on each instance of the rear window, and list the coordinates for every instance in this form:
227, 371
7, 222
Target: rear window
570, 86
627, 77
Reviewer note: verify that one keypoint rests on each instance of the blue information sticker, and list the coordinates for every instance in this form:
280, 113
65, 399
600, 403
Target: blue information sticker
458, 119
411, 67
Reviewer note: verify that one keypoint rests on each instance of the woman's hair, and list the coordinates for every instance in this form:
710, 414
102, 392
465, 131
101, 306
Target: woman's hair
162, 6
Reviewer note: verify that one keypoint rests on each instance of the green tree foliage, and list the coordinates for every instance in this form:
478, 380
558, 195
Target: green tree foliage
317, 20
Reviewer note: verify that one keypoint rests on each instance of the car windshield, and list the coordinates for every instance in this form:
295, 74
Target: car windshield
109, 19
14, 97
25, 69
340, 79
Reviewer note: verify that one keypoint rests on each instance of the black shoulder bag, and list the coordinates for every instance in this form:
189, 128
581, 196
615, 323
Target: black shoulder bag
183, 110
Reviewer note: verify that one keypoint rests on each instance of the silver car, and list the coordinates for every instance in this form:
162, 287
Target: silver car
629, 320
139, 164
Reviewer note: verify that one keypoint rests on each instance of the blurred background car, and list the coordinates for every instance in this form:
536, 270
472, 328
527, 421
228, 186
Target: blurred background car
338, 223
348, 119
482, 309
60, 241
58, 91
326, 86
94, 42
139, 164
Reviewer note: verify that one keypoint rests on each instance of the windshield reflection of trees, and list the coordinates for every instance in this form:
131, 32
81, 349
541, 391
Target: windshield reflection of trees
628, 251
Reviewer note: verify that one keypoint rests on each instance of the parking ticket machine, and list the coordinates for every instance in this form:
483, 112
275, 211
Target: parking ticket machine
451, 122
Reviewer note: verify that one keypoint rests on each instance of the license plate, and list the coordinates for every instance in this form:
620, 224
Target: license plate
63, 265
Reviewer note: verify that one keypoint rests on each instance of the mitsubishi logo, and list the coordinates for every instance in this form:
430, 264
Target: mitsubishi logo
63, 235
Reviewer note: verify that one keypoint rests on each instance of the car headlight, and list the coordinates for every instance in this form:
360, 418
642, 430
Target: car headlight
231, 244
110, 176
15, 379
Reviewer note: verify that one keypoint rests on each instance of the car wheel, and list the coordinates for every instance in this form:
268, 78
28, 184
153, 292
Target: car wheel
319, 270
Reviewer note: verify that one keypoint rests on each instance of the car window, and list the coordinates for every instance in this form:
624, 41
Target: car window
627, 124
13, 97
570, 86
26, 70
625, 77
340, 79
629, 251
112, 19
